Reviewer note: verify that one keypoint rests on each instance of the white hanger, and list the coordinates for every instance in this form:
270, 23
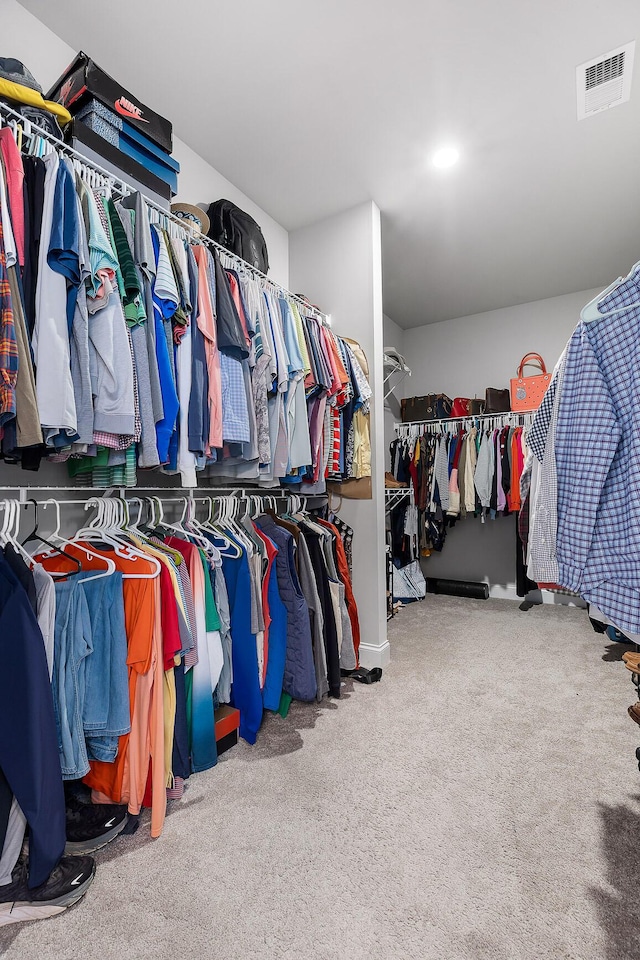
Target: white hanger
14, 534
231, 548
104, 528
193, 528
11, 527
590, 313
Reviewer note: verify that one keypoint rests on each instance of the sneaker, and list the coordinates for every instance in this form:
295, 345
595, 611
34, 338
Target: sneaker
67, 884
92, 825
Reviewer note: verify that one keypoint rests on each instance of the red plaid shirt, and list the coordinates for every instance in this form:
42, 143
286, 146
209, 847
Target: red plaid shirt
8, 345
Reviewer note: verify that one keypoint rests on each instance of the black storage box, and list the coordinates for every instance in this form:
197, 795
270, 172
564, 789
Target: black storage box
78, 135
84, 79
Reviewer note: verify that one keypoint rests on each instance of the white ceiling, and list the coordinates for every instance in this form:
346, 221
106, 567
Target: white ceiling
312, 107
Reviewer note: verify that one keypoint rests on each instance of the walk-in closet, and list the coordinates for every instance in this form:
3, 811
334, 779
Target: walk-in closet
319, 475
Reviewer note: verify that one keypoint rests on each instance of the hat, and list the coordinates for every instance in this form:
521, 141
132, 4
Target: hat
15, 71
193, 216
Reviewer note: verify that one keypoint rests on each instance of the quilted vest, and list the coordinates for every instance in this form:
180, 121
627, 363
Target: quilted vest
299, 668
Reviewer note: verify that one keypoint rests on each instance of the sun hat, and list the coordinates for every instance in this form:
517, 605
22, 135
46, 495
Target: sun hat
192, 215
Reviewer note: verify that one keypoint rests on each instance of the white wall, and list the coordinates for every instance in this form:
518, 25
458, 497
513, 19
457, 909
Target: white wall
200, 183
46, 56
353, 297
460, 358
464, 356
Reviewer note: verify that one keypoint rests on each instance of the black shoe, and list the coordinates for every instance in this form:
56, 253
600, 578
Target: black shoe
92, 825
67, 884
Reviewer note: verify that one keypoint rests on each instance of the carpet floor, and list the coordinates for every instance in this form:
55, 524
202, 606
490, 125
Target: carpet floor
482, 801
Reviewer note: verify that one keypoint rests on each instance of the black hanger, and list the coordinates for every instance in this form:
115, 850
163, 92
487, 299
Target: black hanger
34, 535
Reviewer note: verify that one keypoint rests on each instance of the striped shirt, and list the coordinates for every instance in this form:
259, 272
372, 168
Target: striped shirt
8, 344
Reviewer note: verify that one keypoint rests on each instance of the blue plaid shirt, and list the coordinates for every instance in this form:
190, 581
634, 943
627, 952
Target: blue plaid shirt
539, 430
598, 461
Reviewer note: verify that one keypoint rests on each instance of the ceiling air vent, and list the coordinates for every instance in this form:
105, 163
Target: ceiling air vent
605, 81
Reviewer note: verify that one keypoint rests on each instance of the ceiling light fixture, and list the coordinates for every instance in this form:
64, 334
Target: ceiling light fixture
445, 157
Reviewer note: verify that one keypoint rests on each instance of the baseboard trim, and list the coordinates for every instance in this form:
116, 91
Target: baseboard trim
374, 656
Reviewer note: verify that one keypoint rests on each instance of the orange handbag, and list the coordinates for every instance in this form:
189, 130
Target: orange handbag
527, 392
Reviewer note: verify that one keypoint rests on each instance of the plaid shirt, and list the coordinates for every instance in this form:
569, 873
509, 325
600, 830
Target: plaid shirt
8, 345
537, 434
543, 536
598, 461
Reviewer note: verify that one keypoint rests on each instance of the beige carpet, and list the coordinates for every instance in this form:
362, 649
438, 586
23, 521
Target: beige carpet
482, 801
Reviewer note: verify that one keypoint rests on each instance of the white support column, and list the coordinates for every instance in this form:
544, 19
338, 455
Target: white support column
337, 263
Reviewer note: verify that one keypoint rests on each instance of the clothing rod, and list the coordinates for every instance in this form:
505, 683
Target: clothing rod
469, 416
105, 491
180, 494
31, 127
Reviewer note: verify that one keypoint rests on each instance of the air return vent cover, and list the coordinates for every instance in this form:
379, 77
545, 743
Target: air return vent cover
605, 81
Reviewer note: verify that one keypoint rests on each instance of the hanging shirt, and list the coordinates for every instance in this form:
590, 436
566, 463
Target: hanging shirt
164, 304
8, 343
12, 160
64, 242
50, 342
207, 325
598, 461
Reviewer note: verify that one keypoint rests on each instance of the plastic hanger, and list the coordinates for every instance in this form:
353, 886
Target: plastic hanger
193, 528
90, 554
36, 536
10, 528
104, 528
230, 548
591, 313
229, 523
179, 527
142, 539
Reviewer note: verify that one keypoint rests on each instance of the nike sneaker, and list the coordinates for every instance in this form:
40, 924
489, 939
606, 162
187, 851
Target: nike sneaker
92, 825
67, 884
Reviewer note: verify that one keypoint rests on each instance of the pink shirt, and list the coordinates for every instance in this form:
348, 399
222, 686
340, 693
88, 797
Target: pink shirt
15, 180
207, 324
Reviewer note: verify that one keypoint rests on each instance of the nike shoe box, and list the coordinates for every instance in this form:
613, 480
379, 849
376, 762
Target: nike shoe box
104, 154
227, 721
125, 137
84, 80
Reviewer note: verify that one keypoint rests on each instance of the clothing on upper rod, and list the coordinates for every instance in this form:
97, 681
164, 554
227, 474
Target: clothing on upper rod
469, 467
100, 178
129, 346
163, 621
